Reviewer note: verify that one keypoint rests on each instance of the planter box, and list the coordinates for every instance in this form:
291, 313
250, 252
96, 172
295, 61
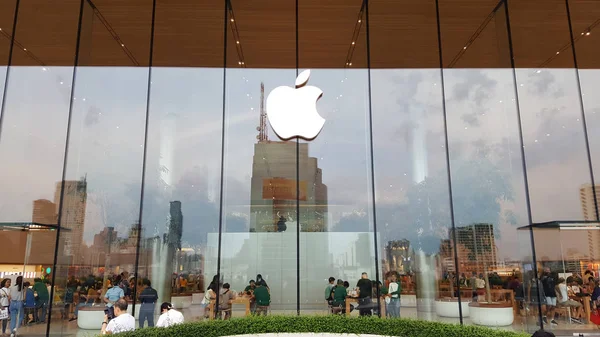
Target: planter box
449, 308
181, 301
491, 314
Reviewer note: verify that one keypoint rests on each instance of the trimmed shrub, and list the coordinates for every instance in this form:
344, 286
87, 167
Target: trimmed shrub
331, 324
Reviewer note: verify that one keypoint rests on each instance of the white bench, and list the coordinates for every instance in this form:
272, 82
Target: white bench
90, 318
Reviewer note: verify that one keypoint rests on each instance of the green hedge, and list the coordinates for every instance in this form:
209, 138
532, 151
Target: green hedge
332, 324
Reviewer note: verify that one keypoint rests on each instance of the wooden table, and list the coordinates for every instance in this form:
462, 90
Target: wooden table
355, 300
246, 300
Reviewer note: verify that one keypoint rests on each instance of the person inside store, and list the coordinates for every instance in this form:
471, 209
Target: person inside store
28, 304
365, 292
209, 295
112, 295
16, 305
249, 290
148, 298
563, 300
168, 316
328, 289
87, 297
339, 295
225, 298
262, 297
5, 302
394, 295
261, 280
122, 322
182, 284
42, 299
549, 283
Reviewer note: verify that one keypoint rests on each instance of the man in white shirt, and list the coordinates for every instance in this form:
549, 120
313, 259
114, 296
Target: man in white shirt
122, 322
169, 316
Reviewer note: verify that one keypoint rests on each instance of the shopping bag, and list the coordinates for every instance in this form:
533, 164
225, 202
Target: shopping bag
3, 313
595, 317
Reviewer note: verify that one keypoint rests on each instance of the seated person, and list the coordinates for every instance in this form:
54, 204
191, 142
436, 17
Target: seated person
225, 300
250, 287
262, 297
563, 300
339, 297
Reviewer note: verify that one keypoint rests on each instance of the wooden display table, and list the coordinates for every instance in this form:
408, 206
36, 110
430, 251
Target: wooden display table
246, 300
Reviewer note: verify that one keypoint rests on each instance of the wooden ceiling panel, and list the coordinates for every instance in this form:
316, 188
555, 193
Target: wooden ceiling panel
403, 33
584, 14
7, 14
325, 32
267, 31
189, 33
48, 30
540, 29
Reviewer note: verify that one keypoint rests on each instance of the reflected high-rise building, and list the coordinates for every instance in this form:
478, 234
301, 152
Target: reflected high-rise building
275, 187
475, 247
590, 213
72, 217
44, 212
398, 256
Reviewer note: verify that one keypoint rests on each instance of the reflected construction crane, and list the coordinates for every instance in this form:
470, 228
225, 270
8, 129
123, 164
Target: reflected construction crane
263, 135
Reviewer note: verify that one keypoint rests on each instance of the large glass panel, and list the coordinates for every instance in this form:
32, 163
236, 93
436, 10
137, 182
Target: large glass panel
553, 137
336, 213
411, 177
488, 191
32, 138
584, 19
259, 174
99, 215
183, 165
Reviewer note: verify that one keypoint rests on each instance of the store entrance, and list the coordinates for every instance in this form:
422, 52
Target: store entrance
27, 250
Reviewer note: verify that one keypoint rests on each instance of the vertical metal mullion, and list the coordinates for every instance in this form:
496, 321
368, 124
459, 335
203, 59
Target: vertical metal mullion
370, 114
222, 178
297, 185
65, 160
145, 156
9, 64
446, 143
523, 157
582, 106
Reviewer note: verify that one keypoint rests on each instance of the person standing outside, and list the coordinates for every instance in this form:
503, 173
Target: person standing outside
549, 283
365, 292
122, 322
42, 300
148, 298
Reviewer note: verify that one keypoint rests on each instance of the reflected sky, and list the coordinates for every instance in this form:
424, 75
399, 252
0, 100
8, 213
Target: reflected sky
186, 110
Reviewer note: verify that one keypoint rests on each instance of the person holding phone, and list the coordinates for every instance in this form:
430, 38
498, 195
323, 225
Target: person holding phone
122, 322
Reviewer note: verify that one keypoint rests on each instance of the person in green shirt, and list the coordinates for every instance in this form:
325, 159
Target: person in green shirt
250, 287
249, 290
339, 296
328, 289
41, 303
262, 299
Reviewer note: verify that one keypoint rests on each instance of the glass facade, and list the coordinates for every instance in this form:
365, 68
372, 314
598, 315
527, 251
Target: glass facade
459, 156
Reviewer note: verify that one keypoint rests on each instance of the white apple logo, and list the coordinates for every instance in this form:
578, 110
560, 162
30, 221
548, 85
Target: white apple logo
293, 112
